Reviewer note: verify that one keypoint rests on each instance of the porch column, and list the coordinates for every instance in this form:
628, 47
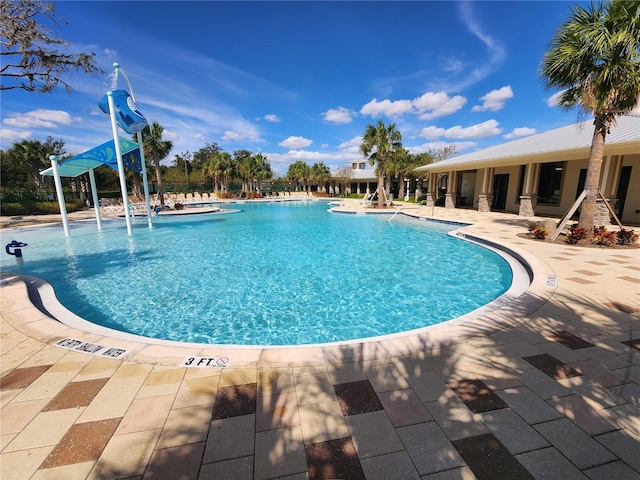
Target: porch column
451, 195
527, 199
432, 189
486, 196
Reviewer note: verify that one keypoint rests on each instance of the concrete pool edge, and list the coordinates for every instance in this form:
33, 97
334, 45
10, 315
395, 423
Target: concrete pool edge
21, 312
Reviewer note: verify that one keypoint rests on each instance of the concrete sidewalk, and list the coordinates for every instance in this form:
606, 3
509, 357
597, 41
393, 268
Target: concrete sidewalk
549, 389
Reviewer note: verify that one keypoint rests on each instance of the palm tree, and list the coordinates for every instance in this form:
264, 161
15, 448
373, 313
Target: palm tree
595, 60
155, 150
299, 173
213, 169
244, 161
321, 175
378, 144
32, 154
263, 169
228, 170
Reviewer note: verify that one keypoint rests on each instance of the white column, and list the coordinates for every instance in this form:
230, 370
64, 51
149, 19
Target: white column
60, 194
145, 180
96, 202
123, 182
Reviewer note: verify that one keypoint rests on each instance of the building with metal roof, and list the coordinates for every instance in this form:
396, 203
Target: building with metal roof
543, 174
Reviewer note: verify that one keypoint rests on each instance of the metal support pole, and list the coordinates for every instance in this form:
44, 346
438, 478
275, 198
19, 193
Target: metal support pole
60, 194
116, 141
96, 202
145, 181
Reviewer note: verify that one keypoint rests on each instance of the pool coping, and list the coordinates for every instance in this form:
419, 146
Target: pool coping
21, 312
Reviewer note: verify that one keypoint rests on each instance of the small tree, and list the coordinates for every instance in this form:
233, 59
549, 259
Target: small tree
343, 175
33, 57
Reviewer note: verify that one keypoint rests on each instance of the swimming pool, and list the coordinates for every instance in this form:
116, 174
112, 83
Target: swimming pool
272, 274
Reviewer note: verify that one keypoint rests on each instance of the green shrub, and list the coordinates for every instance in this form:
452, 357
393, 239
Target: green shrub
12, 209
46, 207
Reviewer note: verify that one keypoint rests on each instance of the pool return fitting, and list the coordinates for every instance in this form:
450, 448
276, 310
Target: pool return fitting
17, 250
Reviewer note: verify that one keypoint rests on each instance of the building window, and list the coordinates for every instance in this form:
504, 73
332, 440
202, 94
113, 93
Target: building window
550, 182
354, 166
362, 166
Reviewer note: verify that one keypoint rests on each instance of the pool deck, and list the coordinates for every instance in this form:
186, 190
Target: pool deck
546, 386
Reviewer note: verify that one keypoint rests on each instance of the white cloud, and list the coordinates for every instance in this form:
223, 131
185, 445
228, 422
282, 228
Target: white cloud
169, 135
497, 52
9, 135
200, 137
429, 105
386, 107
480, 130
520, 132
431, 132
324, 145
437, 104
452, 65
438, 146
295, 142
39, 119
232, 135
271, 117
351, 146
554, 100
494, 100
338, 115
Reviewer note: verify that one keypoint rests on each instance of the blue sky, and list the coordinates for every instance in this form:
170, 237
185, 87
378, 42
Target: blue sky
302, 80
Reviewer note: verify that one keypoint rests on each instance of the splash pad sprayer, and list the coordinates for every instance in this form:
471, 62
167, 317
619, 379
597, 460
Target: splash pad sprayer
123, 111
60, 193
15, 248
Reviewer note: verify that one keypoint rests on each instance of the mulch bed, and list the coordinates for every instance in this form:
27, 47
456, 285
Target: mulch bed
562, 239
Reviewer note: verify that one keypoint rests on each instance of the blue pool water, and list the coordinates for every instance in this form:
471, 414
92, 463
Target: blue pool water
271, 274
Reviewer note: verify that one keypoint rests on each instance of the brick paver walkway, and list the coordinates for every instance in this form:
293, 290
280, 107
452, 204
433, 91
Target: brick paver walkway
553, 393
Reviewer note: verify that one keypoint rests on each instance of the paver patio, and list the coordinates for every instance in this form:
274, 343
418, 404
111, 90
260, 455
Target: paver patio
548, 388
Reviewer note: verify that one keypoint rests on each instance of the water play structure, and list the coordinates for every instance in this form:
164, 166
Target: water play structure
118, 153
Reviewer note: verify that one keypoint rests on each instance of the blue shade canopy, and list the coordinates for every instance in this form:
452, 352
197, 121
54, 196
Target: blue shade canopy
104, 154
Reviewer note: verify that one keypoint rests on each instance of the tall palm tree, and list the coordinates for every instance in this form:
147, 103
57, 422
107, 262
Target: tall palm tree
299, 173
378, 144
244, 161
155, 150
263, 169
595, 60
321, 175
228, 170
213, 169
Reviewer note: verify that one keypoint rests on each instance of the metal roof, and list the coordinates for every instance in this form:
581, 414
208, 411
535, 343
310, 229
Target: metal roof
573, 141
104, 154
